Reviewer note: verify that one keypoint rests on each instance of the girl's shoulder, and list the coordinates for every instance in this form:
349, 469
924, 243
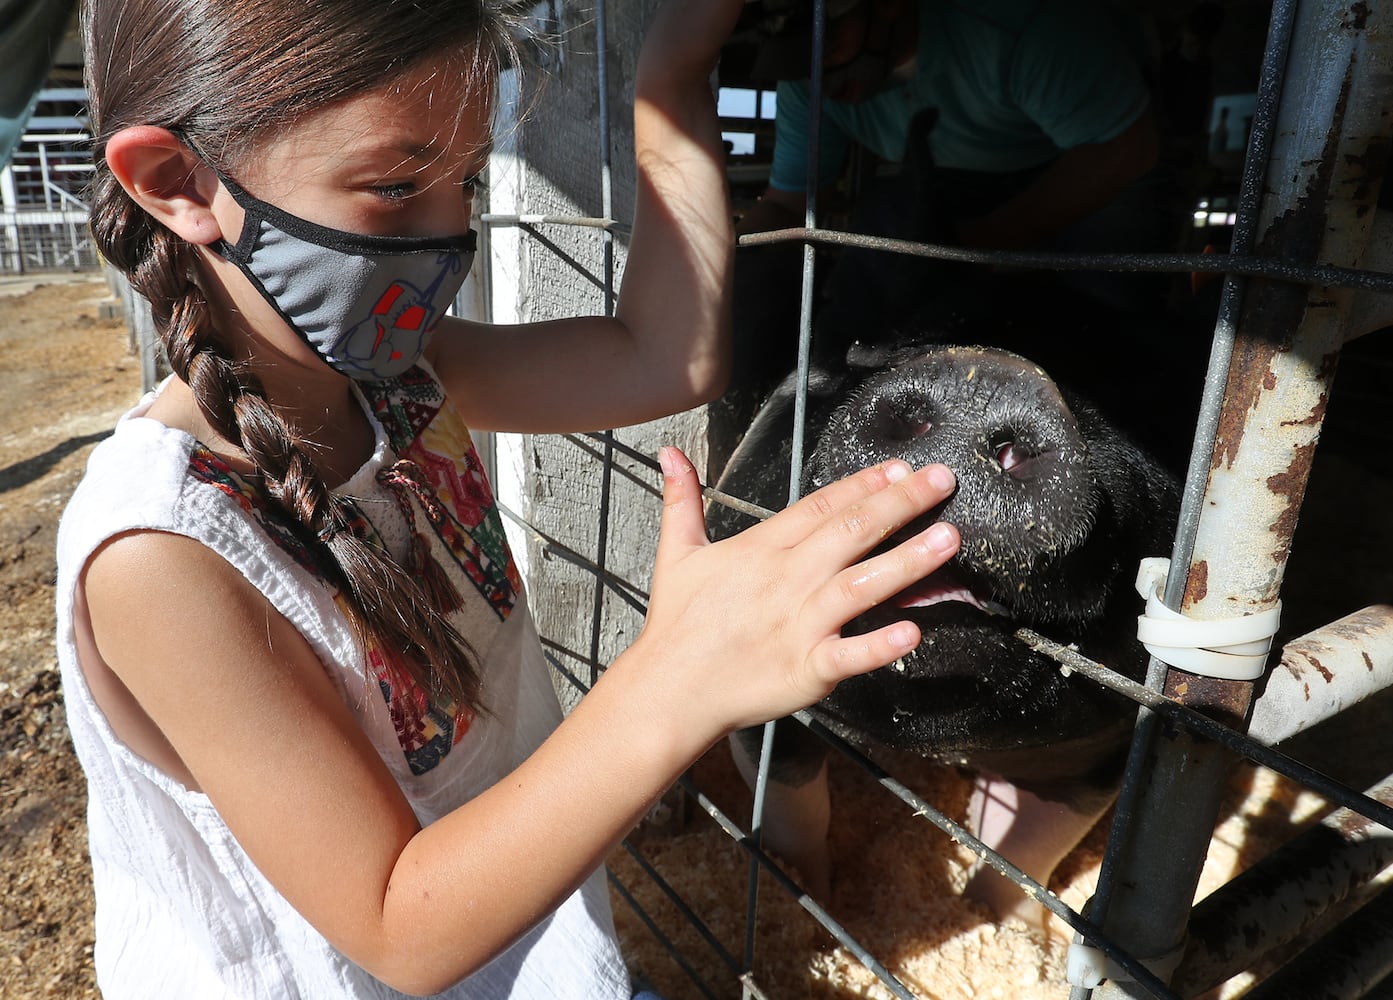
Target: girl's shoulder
148, 476
134, 478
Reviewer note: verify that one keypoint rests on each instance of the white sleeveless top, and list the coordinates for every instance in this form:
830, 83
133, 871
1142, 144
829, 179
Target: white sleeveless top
181, 910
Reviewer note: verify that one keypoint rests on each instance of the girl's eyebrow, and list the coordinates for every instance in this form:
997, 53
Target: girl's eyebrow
432, 147
425, 152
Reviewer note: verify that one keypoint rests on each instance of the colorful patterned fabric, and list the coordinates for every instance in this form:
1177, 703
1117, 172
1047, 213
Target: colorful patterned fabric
206, 467
466, 521
446, 497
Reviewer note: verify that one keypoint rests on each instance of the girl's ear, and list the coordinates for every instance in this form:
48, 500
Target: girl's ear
167, 179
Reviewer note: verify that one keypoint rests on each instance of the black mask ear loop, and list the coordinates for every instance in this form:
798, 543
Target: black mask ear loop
240, 252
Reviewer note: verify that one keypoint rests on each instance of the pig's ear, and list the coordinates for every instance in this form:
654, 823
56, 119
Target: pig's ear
862, 357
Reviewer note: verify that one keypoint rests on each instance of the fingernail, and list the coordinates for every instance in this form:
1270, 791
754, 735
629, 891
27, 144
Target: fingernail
942, 477
904, 637
895, 471
941, 537
669, 462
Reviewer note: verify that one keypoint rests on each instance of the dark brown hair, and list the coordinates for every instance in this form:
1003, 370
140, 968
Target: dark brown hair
226, 74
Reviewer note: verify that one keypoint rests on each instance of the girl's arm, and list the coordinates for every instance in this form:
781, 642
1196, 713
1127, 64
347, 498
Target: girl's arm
737, 632
666, 349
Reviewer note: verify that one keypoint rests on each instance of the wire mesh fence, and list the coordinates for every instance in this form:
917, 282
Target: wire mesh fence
1157, 701
1129, 937
40, 241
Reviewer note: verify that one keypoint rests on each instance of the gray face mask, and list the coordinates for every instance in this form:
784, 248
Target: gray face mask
367, 304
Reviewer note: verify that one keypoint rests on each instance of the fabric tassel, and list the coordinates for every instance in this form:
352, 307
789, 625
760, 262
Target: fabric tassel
404, 479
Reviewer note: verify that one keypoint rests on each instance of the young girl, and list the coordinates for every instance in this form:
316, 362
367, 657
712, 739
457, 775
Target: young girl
323, 752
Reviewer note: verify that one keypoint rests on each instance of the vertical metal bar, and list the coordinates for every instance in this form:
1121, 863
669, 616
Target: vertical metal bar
606, 157
1329, 152
606, 206
1254, 168
45, 182
805, 314
9, 203
800, 410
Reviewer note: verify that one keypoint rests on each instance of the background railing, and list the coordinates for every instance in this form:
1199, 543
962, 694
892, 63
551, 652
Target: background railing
43, 218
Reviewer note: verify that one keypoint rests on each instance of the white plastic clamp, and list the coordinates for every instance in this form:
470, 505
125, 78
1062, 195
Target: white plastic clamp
1232, 649
1088, 966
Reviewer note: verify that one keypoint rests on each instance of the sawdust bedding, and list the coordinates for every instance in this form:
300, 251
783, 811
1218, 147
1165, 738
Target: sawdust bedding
896, 890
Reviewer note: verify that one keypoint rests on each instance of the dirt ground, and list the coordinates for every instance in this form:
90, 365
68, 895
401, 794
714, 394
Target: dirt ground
69, 374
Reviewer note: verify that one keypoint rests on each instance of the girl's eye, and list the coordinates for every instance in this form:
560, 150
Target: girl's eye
395, 192
471, 182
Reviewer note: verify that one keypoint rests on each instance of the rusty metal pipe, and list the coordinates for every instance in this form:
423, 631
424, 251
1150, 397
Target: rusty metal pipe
1324, 672
1320, 874
1347, 963
1328, 156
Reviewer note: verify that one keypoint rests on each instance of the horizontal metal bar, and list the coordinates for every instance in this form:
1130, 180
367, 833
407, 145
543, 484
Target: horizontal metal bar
587, 222
18, 166
1277, 269
1285, 895
1349, 962
43, 217
1206, 727
709, 492
50, 122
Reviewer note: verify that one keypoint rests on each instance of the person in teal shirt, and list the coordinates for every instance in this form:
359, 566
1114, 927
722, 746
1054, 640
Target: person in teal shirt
1002, 124
1015, 85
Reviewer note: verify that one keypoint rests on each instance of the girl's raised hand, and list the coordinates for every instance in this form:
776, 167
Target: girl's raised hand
750, 627
685, 36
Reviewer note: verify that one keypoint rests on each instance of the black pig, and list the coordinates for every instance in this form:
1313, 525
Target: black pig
1056, 507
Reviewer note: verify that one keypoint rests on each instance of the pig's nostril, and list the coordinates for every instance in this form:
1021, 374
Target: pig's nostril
1015, 459
898, 424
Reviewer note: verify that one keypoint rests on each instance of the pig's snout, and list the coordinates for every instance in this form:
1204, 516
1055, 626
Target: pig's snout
1025, 498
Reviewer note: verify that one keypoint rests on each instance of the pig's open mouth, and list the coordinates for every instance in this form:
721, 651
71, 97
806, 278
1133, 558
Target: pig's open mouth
944, 587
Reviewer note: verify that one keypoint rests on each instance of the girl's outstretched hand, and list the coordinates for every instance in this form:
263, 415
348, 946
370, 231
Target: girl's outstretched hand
750, 627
